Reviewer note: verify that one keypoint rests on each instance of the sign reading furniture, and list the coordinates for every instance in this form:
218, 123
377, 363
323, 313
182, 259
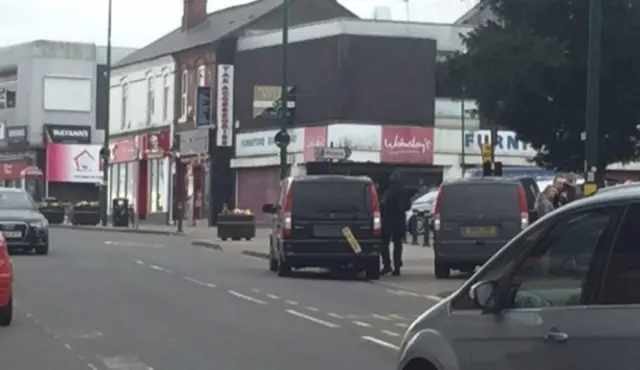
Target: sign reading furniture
67, 134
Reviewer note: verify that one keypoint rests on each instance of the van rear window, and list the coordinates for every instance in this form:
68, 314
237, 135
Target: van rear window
320, 199
469, 199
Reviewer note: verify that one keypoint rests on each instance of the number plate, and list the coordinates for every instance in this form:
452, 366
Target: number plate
327, 231
12, 234
479, 231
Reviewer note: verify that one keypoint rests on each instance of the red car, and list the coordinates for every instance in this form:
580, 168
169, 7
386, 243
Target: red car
6, 282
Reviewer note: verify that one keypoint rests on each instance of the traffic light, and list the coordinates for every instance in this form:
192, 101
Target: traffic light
497, 169
486, 168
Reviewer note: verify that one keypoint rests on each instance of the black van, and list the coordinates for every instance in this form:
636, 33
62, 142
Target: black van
474, 218
310, 220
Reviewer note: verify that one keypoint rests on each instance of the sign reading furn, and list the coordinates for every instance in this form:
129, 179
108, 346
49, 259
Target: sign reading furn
224, 135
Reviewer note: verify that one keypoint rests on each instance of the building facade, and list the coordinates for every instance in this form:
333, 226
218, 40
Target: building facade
51, 88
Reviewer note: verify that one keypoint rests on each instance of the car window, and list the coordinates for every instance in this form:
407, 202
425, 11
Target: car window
621, 283
555, 271
499, 199
318, 199
16, 200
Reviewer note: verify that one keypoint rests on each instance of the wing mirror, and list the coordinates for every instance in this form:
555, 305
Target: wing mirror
484, 293
269, 208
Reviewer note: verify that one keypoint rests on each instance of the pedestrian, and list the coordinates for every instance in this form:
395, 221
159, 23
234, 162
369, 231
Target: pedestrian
544, 202
395, 204
573, 191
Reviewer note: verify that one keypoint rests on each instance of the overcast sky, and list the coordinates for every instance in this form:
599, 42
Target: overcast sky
138, 22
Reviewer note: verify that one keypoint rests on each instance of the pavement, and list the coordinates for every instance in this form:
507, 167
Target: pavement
127, 301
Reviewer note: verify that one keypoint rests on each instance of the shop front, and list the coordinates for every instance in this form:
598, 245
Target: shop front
73, 172
139, 171
195, 175
20, 174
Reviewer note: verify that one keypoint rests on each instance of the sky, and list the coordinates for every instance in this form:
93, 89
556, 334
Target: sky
139, 22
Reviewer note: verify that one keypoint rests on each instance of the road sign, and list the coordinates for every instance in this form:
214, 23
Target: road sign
336, 154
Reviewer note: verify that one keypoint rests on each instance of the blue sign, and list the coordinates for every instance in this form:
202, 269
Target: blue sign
538, 173
506, 140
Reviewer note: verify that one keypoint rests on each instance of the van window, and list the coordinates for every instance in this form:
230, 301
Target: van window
470, 199
322, 198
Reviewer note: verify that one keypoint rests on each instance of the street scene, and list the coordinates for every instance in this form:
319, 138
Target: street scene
104, 300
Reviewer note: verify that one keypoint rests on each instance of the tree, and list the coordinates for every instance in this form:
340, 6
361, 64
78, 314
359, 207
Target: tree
532, 61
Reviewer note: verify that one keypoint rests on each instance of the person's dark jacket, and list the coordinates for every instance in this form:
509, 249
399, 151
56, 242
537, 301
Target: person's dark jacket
395, 204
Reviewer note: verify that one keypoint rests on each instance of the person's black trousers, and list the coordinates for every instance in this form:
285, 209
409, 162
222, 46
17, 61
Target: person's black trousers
396, 237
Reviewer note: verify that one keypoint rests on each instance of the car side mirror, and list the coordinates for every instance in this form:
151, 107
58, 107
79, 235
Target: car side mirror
483, 293
269, 208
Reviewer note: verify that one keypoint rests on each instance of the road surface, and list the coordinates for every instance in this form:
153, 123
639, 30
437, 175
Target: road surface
132, 302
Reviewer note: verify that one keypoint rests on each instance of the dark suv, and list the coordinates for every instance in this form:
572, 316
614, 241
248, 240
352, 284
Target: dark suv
312, 220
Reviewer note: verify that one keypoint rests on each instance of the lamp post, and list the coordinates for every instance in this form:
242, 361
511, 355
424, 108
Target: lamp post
592, 114
282, 138
104, 151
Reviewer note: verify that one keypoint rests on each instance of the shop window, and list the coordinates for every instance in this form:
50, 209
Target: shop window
165, 98
124, 102
130, 183
122, 180
150, 99
157, 185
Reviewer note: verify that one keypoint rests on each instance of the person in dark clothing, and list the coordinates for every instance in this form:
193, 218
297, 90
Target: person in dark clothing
395, 203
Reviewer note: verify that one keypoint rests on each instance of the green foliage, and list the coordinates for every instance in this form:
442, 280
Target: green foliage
533, 59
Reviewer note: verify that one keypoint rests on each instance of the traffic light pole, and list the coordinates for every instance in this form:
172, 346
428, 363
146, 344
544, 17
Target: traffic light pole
592, 113
284, 92
104, 188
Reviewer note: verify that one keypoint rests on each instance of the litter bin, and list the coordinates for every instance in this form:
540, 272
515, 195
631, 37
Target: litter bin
120, 212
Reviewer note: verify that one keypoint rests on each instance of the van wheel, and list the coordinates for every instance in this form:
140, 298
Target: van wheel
284, 269
441, 270
6, 313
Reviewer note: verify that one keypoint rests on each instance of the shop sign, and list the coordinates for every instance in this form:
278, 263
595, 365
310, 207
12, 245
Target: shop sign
507, 141
407, 144
124, 149
17, 135
194, 141
156, 144
224, 114
262, 143
12, 170
76, 163
67, 134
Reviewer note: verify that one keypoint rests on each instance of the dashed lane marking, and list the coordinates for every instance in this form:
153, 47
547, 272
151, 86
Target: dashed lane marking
273, 296
314, 309
246, 297
390, 333
361, 324
313, 319
397, 317
293, 303
402, 325
335, 315
125, 363
199, 282
380, 342
140, 262
381, 317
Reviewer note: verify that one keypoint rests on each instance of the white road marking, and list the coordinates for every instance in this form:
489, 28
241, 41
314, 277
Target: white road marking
246, 297
273, 296
199, 282
381, 317
335, 315
397, 317
390, 333
314, 309
402, 325
293, 303
434, 297
92, 335
361, 324
407, 293
312, 319
132, 244
255, 290
380, 342
140, 262
125, 363
158, 268
92, 366
68, 346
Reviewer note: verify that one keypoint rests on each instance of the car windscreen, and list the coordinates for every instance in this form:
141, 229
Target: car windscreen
16, 200
494, 199
335, 199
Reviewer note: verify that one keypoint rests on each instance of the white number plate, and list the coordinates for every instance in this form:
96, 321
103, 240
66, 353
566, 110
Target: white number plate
12, 234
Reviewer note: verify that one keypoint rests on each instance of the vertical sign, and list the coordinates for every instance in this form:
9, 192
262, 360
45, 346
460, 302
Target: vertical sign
203, 106
224, 124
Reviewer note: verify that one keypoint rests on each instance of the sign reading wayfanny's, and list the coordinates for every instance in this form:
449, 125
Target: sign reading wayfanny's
67, 134
224, 106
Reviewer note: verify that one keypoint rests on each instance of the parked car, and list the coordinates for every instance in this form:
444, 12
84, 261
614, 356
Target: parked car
6, 284
561, 294
21, 223
311, 214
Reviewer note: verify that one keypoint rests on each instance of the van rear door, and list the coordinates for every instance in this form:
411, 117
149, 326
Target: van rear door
479, 213
321, 208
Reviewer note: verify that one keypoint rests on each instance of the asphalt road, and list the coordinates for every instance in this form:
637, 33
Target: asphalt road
141, 302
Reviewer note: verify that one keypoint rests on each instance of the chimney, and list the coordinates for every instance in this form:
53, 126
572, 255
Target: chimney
193, 13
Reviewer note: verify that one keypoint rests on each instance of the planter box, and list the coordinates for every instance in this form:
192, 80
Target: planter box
55, 215
236, 226
85, 215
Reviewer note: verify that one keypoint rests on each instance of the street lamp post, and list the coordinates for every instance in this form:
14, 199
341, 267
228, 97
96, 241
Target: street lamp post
282, 139
104, 152
592, 114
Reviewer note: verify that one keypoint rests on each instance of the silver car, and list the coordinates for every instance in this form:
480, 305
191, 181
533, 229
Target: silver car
563, 294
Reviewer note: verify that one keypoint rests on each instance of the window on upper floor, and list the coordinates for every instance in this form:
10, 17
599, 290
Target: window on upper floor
7, 98
166, 85
202, 76
150, 99
184, 92
124, 103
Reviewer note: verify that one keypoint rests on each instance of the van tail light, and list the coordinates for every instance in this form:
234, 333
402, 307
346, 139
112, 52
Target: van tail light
286, 212
524, 212
436, 213
376, 228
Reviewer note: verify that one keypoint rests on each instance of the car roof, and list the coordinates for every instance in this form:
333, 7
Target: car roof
330, 178
618, 188
620, 196
482, 180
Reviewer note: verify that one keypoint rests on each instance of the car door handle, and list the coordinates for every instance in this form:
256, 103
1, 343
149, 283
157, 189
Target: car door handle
554, 335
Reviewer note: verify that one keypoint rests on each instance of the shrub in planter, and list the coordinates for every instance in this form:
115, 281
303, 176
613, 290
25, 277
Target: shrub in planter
236, 225
52, 210
85, 213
